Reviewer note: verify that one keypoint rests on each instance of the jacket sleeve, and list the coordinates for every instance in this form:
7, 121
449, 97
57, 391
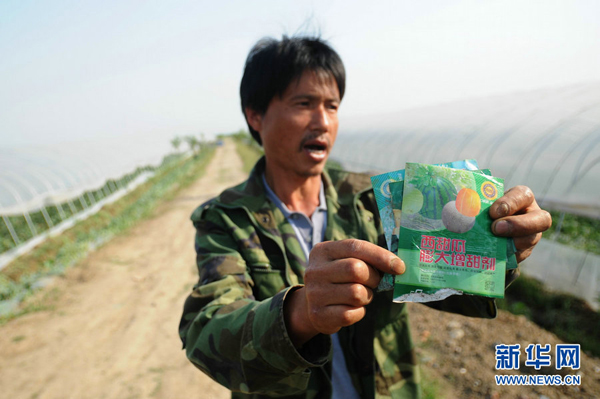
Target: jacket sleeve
238, 341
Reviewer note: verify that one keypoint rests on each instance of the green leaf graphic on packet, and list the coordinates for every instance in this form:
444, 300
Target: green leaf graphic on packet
389, 190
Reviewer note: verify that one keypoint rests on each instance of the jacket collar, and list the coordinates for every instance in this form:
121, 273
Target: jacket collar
340, 187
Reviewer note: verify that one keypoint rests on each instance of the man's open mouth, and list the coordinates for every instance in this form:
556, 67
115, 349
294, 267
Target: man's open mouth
315, 147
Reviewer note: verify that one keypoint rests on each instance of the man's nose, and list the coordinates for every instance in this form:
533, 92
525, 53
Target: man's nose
321, 120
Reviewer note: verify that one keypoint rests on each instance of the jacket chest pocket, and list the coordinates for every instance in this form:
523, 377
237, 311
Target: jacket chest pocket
267, 282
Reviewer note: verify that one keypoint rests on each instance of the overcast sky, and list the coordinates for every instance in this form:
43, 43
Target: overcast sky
89, 70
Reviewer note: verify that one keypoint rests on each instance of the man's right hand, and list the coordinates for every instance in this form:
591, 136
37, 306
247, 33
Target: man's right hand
338, 284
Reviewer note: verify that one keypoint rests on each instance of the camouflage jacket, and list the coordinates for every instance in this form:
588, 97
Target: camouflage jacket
249, 258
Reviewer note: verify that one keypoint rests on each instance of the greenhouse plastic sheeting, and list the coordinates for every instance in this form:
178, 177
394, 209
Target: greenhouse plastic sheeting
546, 139
36, 176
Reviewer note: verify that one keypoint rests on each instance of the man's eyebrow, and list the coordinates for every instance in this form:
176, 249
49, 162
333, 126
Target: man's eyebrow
304, 97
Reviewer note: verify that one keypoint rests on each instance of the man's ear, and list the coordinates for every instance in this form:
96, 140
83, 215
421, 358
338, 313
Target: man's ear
254, 119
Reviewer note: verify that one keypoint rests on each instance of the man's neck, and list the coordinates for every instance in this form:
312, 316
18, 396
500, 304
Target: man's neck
298, 193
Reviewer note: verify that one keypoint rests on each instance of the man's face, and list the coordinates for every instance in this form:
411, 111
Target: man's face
299, 128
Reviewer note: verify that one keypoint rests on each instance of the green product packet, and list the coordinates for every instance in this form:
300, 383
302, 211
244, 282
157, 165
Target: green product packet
381, 188
445, 237
397, 190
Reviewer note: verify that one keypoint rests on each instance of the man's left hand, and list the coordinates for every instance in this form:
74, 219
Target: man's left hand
517, 215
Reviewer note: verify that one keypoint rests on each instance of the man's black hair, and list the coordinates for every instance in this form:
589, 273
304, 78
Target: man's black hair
273, 64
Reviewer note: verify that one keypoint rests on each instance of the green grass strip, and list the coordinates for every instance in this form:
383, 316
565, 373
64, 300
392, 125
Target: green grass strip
248, 151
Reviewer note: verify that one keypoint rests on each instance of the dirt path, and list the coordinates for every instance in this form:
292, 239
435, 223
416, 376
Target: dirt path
113, 331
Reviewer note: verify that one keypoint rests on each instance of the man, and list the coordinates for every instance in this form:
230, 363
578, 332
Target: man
289, 261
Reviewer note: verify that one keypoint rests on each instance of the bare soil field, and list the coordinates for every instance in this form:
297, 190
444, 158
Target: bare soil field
112, 328
459, 352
